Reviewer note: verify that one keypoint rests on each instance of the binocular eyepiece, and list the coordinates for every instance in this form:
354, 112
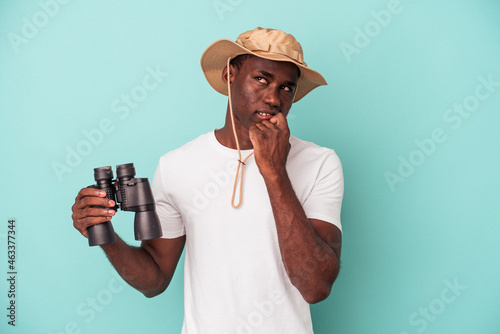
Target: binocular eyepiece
132, 194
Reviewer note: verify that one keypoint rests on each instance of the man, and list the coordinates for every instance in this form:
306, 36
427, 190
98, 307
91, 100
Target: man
261, 249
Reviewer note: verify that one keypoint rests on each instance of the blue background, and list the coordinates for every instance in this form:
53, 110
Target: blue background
420, 244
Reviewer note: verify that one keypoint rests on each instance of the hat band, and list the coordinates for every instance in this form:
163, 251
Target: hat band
274, 48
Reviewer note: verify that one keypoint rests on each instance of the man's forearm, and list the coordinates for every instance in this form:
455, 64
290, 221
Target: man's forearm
308, 252
136, 266
310, 262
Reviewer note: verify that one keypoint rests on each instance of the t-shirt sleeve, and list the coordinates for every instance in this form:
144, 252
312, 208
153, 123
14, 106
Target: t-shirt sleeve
325, 200
170, 218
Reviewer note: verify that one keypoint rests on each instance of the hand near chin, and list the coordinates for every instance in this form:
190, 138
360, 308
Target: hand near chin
270, 140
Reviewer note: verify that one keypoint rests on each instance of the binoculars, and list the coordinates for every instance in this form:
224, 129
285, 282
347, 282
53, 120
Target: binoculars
132, 194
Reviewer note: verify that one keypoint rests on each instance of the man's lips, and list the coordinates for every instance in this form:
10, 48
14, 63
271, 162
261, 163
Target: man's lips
265, 115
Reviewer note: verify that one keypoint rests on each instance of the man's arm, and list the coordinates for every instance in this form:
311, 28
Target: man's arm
310, 248
148, 268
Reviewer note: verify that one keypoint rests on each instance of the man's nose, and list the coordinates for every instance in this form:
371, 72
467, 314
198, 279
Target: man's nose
272, 97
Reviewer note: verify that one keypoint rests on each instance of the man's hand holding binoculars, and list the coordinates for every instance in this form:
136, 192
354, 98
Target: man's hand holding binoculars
95, 205
85, 213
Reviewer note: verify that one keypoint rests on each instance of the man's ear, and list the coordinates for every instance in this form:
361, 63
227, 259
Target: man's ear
232, 72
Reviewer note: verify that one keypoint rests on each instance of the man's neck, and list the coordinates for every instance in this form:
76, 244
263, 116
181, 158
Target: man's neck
225, 136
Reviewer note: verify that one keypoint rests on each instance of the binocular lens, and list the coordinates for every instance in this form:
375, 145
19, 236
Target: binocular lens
103, 173
147, 225
126, 171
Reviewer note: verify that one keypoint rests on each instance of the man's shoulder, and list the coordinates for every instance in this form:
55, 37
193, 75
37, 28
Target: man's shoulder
189, 149
306, 155
308, 147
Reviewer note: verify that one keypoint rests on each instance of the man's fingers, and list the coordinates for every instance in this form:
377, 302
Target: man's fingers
269, 128
279, 120
91, 207
85, 233
83, 224
91, 216
94, 201
97, 212
264, 125
90, 192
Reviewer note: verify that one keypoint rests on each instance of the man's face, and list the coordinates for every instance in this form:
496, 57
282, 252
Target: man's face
262, 88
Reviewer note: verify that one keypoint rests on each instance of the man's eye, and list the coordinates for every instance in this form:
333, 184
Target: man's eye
286, 89
260, 79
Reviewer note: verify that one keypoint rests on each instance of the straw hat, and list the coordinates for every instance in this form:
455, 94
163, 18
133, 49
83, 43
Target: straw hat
265, 43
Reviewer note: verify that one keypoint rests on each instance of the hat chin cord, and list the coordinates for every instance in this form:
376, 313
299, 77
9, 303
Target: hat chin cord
241, 163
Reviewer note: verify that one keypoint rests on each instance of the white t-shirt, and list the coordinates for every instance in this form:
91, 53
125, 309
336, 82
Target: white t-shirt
235, 281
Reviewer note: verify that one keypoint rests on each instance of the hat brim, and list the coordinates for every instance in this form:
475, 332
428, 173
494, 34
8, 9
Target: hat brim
214, 59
